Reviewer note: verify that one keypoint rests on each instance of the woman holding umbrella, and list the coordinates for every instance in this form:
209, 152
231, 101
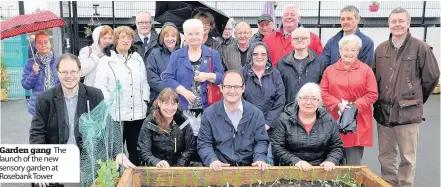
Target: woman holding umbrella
351, 81
40, 73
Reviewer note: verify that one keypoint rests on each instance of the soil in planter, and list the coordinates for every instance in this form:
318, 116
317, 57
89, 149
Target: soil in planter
287, 183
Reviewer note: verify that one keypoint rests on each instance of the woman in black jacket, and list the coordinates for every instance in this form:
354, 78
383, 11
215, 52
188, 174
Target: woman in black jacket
162, 141
306, 134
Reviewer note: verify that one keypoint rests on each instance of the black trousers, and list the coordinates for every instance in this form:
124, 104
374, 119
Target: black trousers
131, 134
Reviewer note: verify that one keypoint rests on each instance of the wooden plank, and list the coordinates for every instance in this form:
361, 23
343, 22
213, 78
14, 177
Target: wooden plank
371, 176
126, 179
194, 176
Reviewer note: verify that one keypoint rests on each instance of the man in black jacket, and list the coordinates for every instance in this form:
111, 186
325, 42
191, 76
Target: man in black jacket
59, 108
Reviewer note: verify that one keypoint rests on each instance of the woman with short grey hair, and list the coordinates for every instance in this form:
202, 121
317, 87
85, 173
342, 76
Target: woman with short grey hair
351, 83
306, 134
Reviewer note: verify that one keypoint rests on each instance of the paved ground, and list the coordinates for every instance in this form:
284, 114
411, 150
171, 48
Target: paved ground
15, 123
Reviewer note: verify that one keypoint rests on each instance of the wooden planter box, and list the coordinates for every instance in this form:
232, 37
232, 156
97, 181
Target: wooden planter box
240, 176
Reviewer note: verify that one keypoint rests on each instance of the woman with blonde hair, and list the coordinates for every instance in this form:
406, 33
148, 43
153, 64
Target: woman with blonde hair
124, 65
164, 140
90, 55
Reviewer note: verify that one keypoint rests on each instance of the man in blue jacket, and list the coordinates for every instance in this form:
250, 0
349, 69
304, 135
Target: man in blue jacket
349, 19
232, 130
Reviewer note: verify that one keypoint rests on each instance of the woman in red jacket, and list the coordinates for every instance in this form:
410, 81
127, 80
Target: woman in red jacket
350, 81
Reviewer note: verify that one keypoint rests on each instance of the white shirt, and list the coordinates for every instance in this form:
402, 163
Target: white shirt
142, 36
236, 115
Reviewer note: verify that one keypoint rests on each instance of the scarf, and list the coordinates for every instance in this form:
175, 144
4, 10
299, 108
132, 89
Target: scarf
46, 61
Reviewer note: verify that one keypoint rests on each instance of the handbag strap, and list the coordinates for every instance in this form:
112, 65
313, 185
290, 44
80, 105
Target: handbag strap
211, 62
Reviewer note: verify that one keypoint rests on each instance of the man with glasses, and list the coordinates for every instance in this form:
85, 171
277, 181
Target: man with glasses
235, 55
279, 42
145, 38
349, 19
300, 66
56, 120
232, 131
39, 73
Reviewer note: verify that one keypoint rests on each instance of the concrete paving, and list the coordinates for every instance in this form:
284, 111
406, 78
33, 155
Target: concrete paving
15, 123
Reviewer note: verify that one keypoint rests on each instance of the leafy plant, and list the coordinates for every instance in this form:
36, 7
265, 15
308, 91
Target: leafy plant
236, 178
107, 173
223, 180
206, 180
5, 82
266, 176
375, 3
88, 31
313, 176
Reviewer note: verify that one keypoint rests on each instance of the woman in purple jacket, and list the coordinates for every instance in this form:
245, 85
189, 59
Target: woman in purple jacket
40, 73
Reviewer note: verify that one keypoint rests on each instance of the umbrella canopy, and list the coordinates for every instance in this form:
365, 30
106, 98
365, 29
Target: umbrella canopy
29, 23
347, 122
179, 11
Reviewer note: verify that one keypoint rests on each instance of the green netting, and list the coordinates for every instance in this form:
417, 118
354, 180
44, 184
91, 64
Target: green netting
102, 141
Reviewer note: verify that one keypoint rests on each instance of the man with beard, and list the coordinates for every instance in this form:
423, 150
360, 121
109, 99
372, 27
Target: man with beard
145, 38
56, 120
279, 42
349, 19
407, 73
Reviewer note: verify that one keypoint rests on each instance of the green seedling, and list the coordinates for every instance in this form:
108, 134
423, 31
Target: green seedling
170, 179
183, 178
236, 178
266, 176
223, 180
195, 178
206, 180
147, 177
107, 173
313, 176
290, 177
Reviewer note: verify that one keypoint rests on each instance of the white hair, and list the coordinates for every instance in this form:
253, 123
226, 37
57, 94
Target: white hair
313, 88
300, 29
191, 23
231, 22
290, 6
349, 38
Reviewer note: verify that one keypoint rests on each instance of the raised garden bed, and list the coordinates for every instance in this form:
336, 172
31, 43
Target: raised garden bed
251, 176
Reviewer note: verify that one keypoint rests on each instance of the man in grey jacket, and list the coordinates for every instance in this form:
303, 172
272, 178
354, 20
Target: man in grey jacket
235, 55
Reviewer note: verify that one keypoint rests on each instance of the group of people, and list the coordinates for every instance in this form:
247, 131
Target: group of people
282, 93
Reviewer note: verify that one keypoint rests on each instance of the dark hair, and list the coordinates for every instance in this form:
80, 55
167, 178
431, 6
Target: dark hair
233, 71
68, 56
207, 15
166, 94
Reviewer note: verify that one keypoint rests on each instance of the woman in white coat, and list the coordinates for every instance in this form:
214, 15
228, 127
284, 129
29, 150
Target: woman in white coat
90, 55
122, 63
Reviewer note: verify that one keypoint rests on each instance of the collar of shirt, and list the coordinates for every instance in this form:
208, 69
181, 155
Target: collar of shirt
397, 45
248, 46
239, 107
76, 94
142, 36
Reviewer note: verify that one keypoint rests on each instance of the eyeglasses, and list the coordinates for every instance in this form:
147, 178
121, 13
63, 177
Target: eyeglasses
144, 22
303, 38
229, 87
346, 50
206, 23
306, 99
73, 73
261, 54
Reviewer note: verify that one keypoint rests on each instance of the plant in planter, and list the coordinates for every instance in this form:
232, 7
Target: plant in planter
107, 174
374, 6
5, 82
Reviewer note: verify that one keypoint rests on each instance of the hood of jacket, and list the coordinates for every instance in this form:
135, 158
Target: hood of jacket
96, 37
161, 43
112, 47
292, 110
251, 49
